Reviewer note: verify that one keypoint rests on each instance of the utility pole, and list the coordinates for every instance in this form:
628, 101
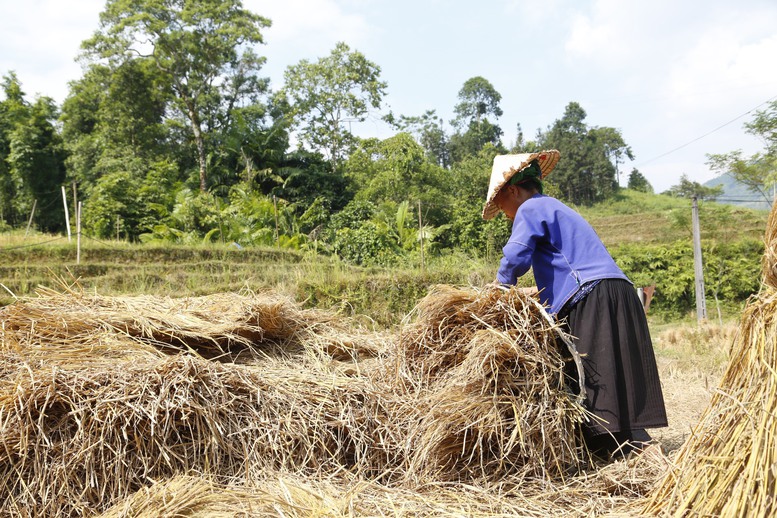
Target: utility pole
701, 306
78, 233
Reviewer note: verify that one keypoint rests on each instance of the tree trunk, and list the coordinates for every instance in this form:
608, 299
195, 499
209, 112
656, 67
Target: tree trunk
194, 119
200, 147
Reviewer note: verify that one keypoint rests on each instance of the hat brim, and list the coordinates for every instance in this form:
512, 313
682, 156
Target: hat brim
505, 166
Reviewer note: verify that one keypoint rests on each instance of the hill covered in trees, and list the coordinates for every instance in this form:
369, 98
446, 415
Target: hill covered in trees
172, 136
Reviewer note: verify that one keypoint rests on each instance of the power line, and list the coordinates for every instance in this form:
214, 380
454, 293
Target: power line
106, 243
5, 249
706, 134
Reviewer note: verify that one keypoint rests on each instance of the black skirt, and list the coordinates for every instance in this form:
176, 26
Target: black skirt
621, 377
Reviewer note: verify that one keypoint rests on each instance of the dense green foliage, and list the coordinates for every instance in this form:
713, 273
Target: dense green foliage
589, 171
31, 159
323, 95
172, 137
731, 272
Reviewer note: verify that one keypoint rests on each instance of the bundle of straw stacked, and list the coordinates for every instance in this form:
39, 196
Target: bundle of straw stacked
770, 251
728, 467
487, 371
472, 392
603, 493
70, 325
72, 440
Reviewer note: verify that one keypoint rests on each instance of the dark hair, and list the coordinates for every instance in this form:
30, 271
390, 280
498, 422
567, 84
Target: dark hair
531, 183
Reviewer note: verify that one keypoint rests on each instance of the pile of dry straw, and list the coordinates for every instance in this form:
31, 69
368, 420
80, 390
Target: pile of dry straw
728, 467
246, 404
103, 397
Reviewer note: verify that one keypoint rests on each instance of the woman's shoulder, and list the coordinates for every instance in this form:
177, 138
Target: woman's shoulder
548, 208
542, 202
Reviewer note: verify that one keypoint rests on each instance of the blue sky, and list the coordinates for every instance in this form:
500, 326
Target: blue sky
678, 78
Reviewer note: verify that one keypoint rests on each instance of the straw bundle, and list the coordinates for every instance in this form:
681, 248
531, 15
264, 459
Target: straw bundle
728, 467
769, 263
488, 371
72, 326
193, 497
347, 495
75, 440
448, 318
472, 391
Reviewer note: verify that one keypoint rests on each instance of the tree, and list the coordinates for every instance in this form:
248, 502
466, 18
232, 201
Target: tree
764, 125
394, 170
568, 135
37, 158
521, 145
468, 186
478, 100
688, 189
324, 95
428, 129
638, 182
13, 110
758, 172
305, 179
32, 157
119, 147
202, 49
615, 149
590, 156
113, 118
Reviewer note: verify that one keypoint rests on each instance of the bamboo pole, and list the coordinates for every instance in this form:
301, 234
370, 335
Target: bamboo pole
67, 216
78, 233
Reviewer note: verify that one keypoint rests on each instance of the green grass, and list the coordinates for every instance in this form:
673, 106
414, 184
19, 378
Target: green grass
384, 294
636, 217
119, 268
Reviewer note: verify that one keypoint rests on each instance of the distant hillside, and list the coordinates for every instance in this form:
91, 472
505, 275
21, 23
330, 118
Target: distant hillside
635, 217
735, 193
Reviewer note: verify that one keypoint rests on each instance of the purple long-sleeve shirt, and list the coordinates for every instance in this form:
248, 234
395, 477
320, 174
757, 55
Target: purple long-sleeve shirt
560, 246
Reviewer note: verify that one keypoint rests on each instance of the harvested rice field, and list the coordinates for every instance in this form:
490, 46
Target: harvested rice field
246, 404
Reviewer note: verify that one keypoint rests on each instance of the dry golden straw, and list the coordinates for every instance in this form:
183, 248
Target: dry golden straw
770, 251
74, 440
488, 370
728, 467
287, 495
73, 326
103, 398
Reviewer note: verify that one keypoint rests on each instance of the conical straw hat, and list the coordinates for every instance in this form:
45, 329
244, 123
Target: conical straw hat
505, 166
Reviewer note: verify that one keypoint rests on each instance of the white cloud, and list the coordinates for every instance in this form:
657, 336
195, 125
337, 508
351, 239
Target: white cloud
611, 32
307, 29
725, 65
42, 38
306, 23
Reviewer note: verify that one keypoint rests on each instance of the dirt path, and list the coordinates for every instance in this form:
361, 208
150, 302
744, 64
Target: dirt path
686, 395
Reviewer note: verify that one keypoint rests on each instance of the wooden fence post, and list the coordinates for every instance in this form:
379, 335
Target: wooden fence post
32, 213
